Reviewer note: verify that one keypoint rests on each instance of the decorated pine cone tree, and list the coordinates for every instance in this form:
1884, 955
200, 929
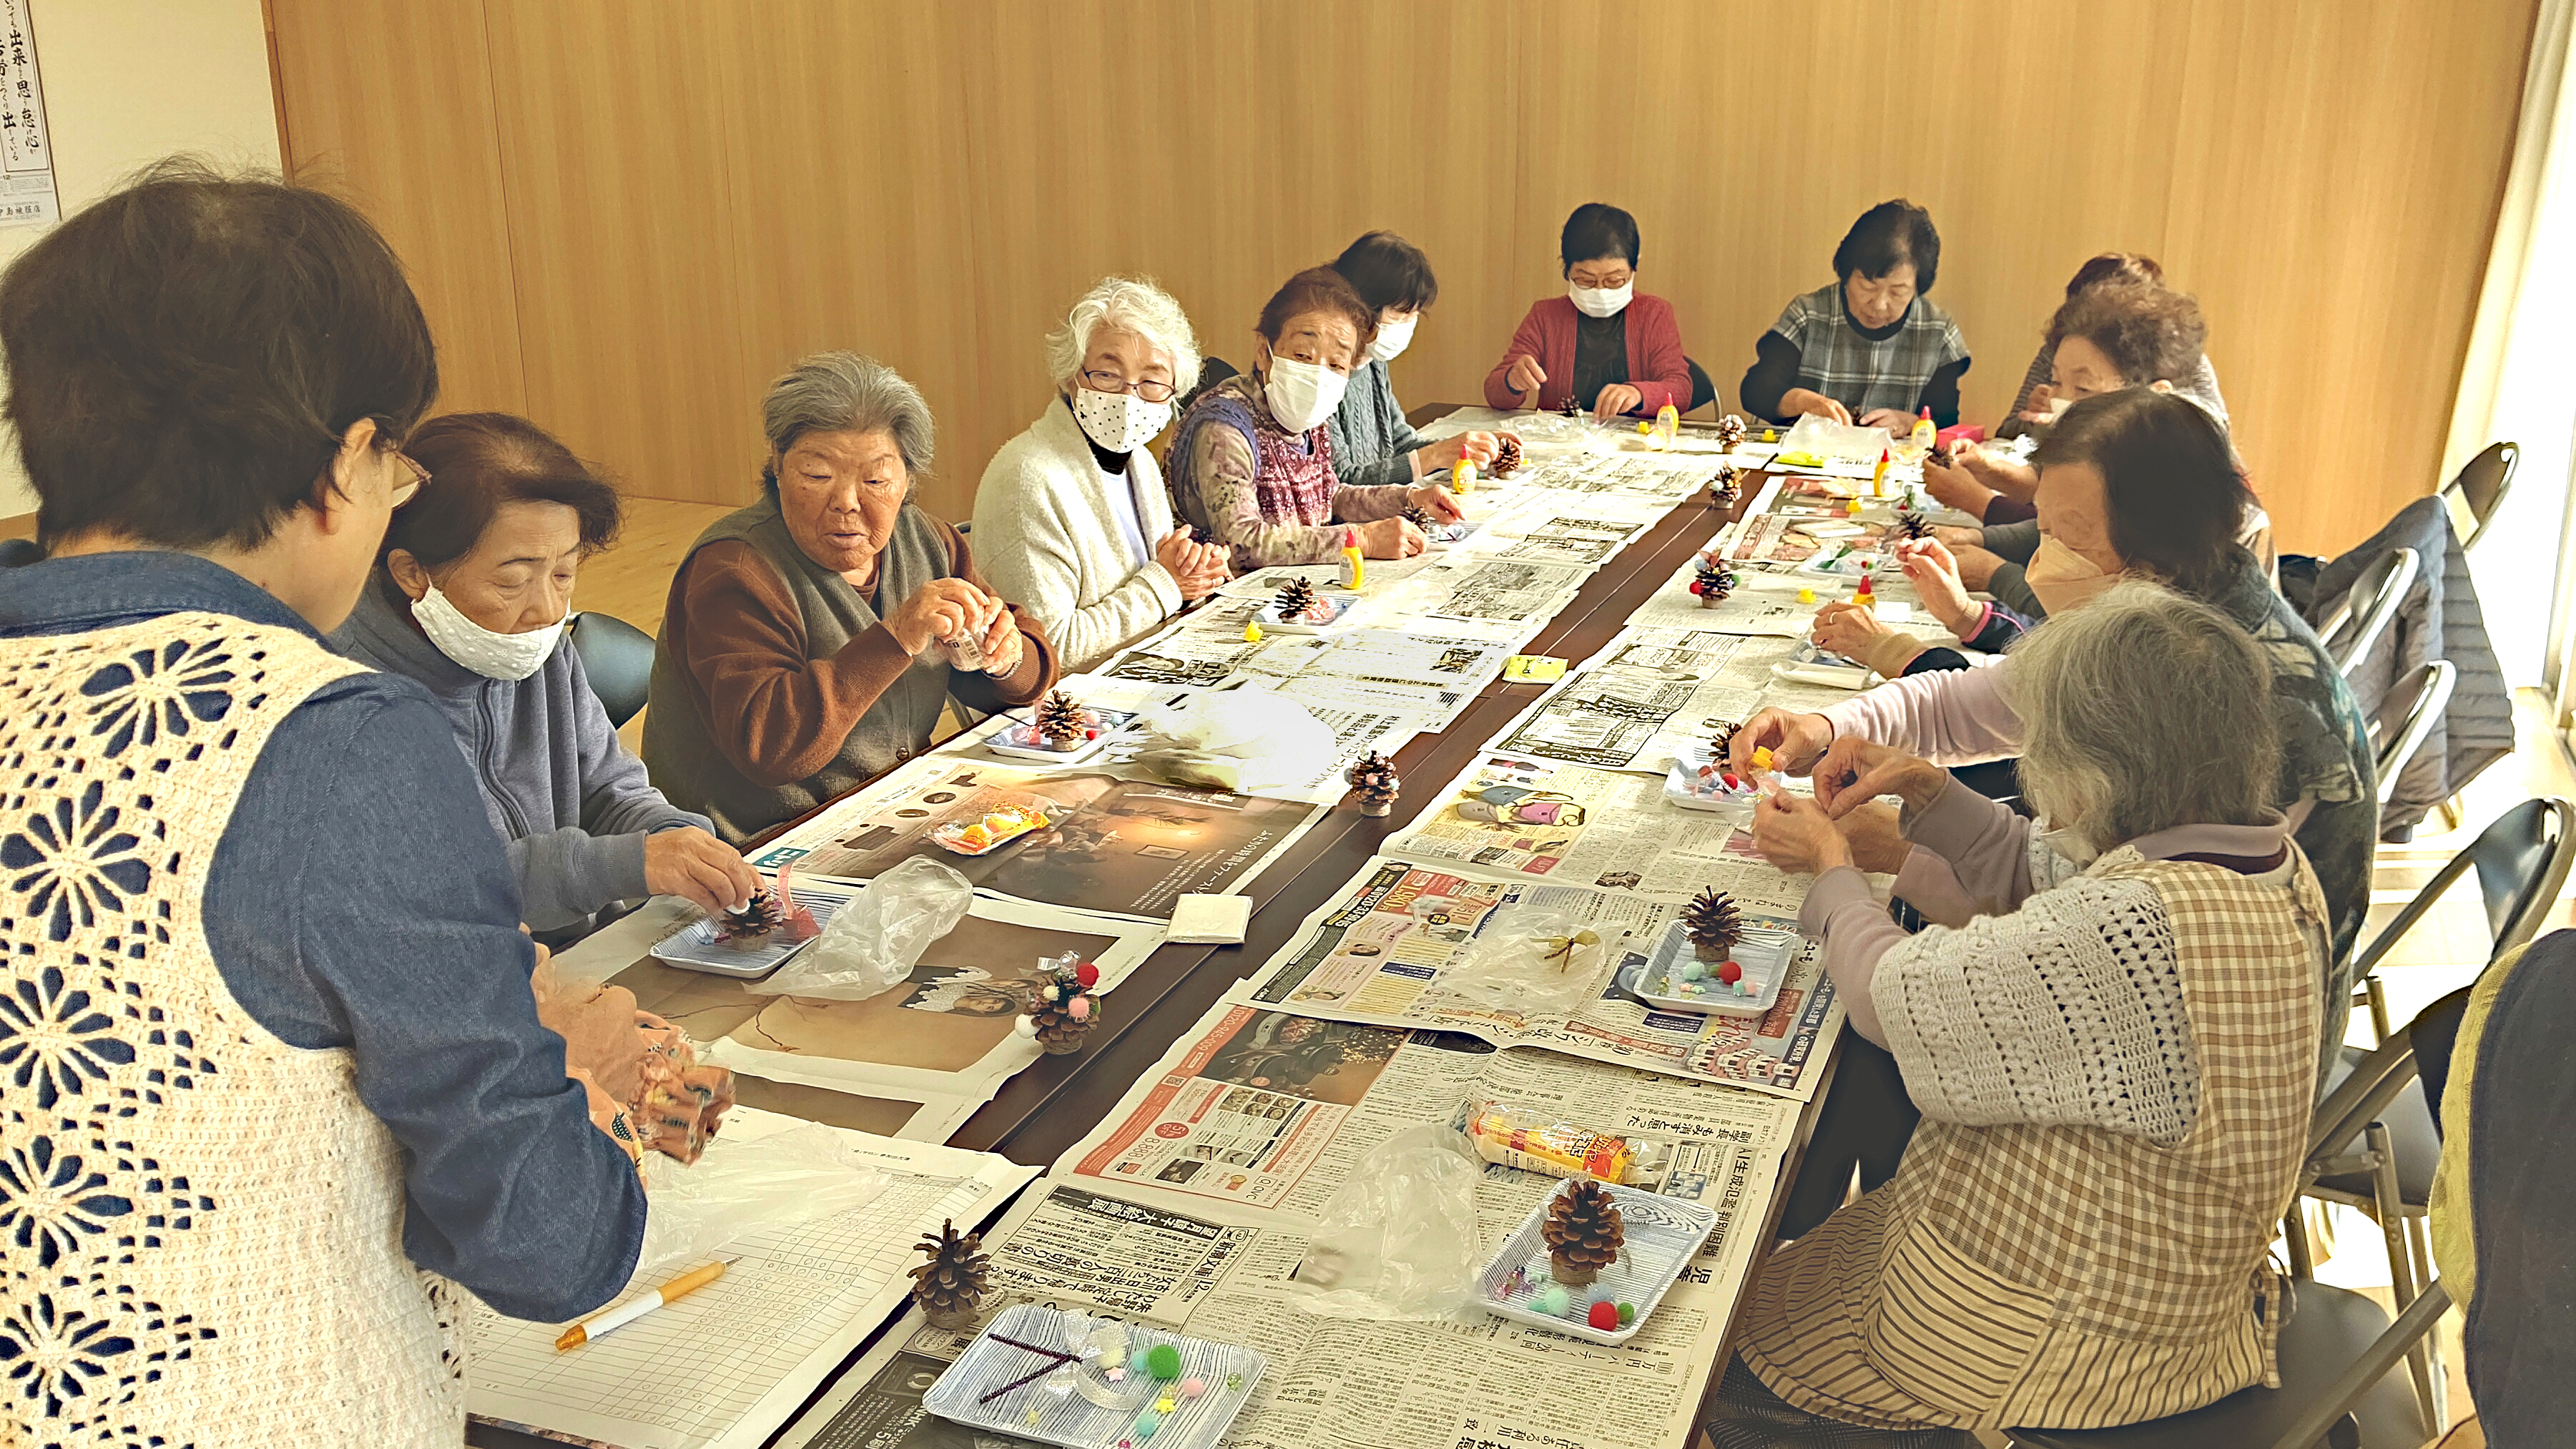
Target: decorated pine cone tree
951, 1284
1720, 740
1730, 430
1713, 583
1062, 1008
1373, 779
765, 913
1507, 456
1713, 924
1583, 1231
1721, 486
1910, 523
1295, 598
1060, 722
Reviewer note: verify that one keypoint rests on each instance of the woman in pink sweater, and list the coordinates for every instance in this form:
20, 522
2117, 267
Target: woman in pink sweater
1603, 345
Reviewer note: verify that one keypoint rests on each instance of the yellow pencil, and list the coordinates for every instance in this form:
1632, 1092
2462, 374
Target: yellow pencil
642, 1303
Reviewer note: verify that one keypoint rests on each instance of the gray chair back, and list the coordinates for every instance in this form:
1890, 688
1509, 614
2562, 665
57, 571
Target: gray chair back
618, 658
2473, 497
2367, 608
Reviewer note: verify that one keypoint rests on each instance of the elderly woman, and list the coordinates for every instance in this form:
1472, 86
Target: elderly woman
1372, 442
472, 588
2146, 963
1871, 345
1604, 345
1252, 464
2039, 384
2142, 484
1072, 515
813, 638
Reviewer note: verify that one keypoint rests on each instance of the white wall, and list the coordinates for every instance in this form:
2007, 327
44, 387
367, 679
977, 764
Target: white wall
128, 82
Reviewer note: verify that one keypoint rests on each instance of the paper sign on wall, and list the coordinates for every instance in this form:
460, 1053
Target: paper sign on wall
27, 195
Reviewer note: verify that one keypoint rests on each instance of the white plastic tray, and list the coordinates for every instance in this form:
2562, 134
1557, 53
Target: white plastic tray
694, 947
1662, 1234
1342, 604
1684, 787
1765, 953
1020, 739
1096, 1414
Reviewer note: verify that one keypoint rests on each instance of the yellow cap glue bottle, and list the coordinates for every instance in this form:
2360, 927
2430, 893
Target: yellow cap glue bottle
1668, 425
1354, 568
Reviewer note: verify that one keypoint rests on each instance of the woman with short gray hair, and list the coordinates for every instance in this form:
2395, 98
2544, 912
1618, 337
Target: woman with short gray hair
2113, 1063
1072, 515
812, 639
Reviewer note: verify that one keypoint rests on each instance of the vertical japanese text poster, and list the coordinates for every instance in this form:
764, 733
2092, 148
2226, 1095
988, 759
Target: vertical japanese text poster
26, 148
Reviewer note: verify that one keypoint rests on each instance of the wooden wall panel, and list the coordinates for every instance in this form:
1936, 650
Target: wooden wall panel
693, 196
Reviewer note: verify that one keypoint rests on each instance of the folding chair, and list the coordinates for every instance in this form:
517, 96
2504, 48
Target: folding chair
2472, 498
2367, 608
2432, 696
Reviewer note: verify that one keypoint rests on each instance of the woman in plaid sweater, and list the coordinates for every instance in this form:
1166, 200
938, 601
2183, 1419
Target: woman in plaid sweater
1870, 347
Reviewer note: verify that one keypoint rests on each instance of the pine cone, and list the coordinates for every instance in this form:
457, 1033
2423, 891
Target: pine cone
1062, 1010
1713, 583
1714, 924
1730, 430
1910, 523
1721, 486
1372, 777
952, 1282
1418, 516
764, 914
1507, 456
1583, 1232
1722, 739
1060, 721
1295, 598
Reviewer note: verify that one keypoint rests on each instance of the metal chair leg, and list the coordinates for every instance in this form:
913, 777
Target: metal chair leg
2419, 1237
2295, 1228
2380, 1029
2401, 1260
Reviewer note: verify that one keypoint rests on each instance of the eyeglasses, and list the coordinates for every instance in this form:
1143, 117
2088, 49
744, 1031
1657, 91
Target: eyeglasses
1150, 391
406, 492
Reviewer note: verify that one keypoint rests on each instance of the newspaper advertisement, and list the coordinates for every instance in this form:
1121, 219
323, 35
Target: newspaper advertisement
27, 193
1380, 952
1117, 1230
1493, 597
1653, 693
1671, 477
1388, 669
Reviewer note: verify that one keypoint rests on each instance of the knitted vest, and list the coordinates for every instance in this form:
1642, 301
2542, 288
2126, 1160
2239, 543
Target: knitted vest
2074, 1277
1295, 482
681, 753
200, 1225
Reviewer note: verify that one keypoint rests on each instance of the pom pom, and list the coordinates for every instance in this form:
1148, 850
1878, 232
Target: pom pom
1087, 974
1627, 1314
1026, 1026
1079, 1008
1729, 972
1193, 1387
1164, 1360
1604, 1316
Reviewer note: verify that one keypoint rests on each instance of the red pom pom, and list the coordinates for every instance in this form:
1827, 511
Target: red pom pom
1604, 1315
1695, 588
1729, 972
1087, 974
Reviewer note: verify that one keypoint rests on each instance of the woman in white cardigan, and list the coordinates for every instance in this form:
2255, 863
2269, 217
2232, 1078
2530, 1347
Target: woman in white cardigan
1072, 519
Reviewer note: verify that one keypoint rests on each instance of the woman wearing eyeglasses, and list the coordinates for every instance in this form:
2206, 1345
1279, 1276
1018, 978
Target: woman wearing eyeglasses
1072, 520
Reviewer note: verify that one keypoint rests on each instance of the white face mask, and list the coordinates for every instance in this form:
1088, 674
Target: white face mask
1393, 338
1302, 394
1602, 301
1120, 422
494, 656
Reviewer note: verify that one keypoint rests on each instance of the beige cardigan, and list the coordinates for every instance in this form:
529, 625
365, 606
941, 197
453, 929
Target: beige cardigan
1049, 542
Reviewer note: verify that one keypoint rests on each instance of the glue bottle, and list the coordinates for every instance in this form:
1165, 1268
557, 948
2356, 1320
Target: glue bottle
1462, 478
1668, 426
1354, 568
1878, 476
1924, 434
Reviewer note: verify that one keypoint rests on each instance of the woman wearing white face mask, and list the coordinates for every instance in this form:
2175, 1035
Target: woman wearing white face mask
472, 588
1604, 345
1372, 442
1072, 520
1252, 465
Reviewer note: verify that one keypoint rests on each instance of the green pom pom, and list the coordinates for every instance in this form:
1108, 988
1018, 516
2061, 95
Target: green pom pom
1164, 1361
1627, 1314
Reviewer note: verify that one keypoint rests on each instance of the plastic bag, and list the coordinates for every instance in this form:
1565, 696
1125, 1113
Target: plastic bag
748, 1185
1532, 961
1399, 1240
873, 943
1236, 739
1830, 440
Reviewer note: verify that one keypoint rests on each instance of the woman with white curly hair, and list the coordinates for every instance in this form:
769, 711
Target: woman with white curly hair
1072, 519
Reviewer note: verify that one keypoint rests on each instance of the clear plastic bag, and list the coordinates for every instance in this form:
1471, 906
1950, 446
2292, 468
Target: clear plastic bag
1530, 960
1236, 739
1399, 1240
1830, 440
744, 1186
873, 943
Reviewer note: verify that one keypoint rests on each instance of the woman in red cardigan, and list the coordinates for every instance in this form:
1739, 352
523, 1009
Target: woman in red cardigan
1603, 345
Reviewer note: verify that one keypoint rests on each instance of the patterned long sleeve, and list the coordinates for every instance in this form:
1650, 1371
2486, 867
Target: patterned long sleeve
1224, 469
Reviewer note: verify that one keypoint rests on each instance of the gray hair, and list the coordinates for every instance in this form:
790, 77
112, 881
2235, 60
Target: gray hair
842, 392
2142, 711
1136, 304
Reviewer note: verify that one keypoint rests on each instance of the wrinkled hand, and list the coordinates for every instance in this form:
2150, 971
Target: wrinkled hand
1435, 500
1976, 566
689, 862
1848, 629
1955, 486
1795, 835
2013, 480
1614, 399
1796, 741
1525, 376
1000, 642
1196, 568
1437, 457
1856, 771
1889, 418
939, 609
1877, 846
1800, 400
1391, 538
1934, 572
639, 1073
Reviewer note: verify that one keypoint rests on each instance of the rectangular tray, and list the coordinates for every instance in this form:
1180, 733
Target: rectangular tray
1662, 1234
1808, 664
694, 947
1070, 1417
1019, 740
1683, 787
1766, 954
1268, 615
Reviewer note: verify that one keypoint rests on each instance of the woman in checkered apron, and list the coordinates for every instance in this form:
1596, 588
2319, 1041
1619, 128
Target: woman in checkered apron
1869, 346
2114, 1062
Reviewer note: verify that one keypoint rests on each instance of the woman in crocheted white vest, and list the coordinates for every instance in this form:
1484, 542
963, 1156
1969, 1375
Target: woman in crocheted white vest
272, 1082
2114, 1062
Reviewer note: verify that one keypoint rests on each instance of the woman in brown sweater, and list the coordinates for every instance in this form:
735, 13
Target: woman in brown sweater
778, 683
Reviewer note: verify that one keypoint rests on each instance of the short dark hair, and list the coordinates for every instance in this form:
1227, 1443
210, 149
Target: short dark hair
2115, 267
1596, 230
1317, 289
2176, 497
1388, 271
1886, 237
185, 355
479, 461
2150, 333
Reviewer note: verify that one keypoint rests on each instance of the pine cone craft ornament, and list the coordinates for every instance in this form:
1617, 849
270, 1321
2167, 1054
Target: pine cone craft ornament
1721, 486
1060, 722
1507, 457
1374, 780
950, 1285
765, 913
1910, 523
1295, 599
1713, 924
1583, 1232
1730, 431
1712, 583
1720, 740
1063, 1010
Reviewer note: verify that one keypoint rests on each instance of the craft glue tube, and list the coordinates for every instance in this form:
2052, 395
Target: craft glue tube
1539, 1142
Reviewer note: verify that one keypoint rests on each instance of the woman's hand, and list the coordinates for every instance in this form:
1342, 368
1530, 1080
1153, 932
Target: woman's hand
1850, 630
1955, 486
1525, 376
1934, 572
2013, 480
1000, 641
1614, 399
1440, 455
1796, 741
1800, 400
939, 609
1437, 501
1391, 538
1959, 538
1856, 771
689, 862
2034, 408
1197, 569
1895, 422
1877, 845
1976, 566
1796, 835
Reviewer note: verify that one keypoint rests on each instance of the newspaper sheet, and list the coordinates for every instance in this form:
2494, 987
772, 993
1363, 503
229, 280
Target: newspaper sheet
1493, 598
1671, 477
1191, 1208
725, 1366
1382, 950
1653, 692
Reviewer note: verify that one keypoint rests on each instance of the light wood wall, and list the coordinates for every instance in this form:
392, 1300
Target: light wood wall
625, 216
